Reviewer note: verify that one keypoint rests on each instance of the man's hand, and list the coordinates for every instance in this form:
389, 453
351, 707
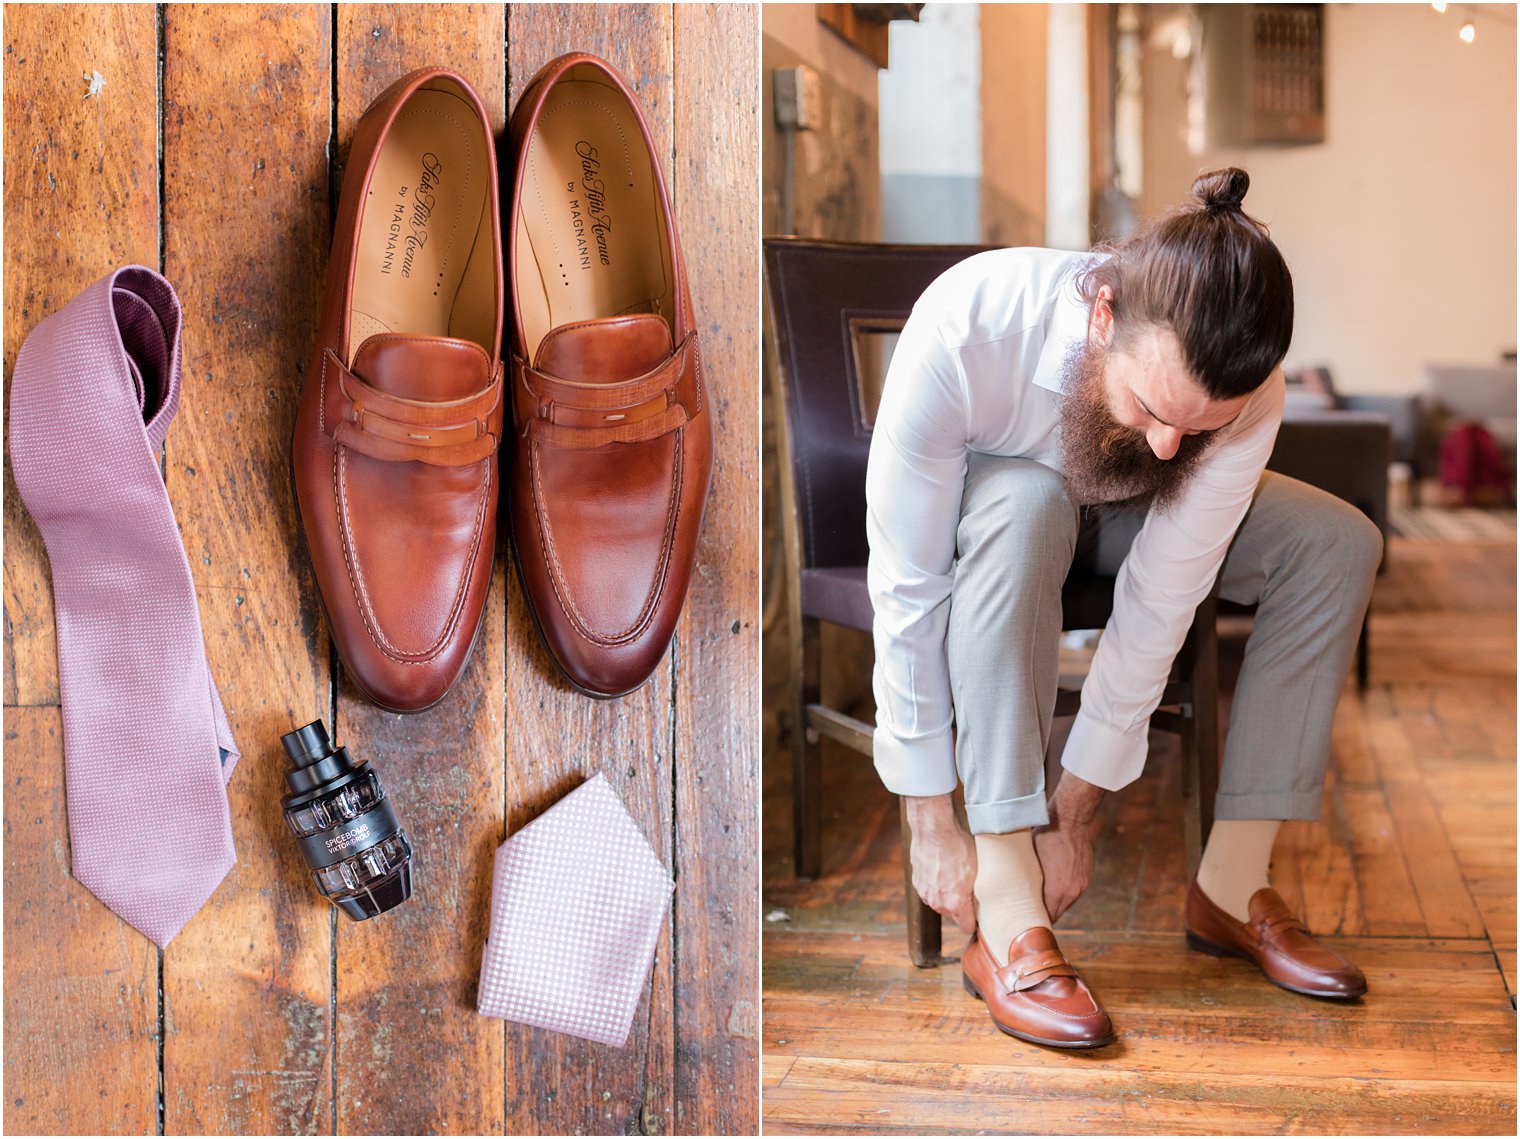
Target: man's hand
944, 859
1064, 847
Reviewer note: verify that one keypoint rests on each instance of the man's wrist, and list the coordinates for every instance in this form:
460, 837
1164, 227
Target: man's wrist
930, 814
1075, 802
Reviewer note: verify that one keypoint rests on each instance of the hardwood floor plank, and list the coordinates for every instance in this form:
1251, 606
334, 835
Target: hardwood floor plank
81, 199
1444, 899
1409, 977
1138, 819
81, 194
1391, 745
1162, 892
1467, 728
247, 983
1382, 873
884, 1097
1349, 744
81, 993
413, 1056
1231, 1047
773, 1068
930, 1028
717, 764
1480, 826
560, 737
1170, 1005
1506, 959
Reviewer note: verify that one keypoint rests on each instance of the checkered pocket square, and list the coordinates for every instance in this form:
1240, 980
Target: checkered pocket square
577, 900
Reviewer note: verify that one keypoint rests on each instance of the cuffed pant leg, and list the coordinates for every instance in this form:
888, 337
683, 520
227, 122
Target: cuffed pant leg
1306, 559
1014, 546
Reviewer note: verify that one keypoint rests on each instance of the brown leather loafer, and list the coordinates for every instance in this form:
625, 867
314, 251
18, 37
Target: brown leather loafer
395, 447
1290, 956
613, 450
1037, 996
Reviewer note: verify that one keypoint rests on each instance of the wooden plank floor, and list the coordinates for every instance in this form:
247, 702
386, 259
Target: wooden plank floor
1411, 868
269, 1013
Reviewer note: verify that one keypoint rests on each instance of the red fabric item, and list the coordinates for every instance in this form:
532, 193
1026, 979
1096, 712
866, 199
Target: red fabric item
1472, 468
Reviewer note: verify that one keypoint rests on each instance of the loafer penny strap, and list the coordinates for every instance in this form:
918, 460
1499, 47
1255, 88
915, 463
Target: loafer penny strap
1273, 924
581, 416
1027, 972
443, 433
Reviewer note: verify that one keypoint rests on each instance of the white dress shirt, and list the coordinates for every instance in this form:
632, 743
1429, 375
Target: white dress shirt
978, 368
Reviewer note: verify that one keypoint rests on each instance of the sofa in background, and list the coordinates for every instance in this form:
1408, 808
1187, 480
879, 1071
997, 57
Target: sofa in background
1456, 393
1452, 394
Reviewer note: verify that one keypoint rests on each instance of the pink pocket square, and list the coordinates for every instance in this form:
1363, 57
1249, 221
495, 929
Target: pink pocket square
577, 901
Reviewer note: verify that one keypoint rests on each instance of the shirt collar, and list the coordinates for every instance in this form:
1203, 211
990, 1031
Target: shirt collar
1066, 325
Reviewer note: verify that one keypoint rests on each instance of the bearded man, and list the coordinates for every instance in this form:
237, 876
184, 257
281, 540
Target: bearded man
1113, 411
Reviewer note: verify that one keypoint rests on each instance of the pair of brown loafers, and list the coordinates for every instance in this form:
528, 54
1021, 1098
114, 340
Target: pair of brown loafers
410, 392
1039, 996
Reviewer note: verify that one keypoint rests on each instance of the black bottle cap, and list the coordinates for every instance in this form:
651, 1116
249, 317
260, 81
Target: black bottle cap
306, 745
315, 765
386, 894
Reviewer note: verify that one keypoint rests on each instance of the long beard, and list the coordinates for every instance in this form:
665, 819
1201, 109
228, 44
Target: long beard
1105, 461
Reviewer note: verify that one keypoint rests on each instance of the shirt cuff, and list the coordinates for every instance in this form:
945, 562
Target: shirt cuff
1104, 756
924, 766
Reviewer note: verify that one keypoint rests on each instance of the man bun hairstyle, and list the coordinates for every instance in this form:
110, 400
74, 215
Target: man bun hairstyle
1222, 189
1210, 273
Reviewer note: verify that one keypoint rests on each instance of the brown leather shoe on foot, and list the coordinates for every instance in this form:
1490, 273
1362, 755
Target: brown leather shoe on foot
1290, 956
1037, 996
613, 449
394, 452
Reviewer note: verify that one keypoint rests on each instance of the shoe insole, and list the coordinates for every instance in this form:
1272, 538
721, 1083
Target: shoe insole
589, 216
421, 218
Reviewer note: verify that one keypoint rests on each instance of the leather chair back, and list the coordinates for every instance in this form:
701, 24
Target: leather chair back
823, 296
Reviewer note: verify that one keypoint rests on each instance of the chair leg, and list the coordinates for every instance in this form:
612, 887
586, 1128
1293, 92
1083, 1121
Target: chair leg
1192, 814
1364, 652
1206, 715
924, 930
1200, 735
807, 786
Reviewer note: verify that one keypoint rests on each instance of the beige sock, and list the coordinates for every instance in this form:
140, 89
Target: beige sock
1235, 861
1009, 890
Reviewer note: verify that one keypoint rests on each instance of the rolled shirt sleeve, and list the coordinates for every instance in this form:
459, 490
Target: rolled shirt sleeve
914, 482
1170, 568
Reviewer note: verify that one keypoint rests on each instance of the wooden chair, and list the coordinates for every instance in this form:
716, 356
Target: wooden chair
828, 303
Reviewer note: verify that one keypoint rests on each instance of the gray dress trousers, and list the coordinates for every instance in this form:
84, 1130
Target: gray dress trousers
1305, 558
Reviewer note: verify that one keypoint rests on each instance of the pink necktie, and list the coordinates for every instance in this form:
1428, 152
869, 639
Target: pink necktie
147, 746
577, 901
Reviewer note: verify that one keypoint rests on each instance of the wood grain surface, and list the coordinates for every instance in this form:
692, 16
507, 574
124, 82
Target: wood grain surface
561, 738
81, 993
81, 194
245, 110
718, 776
414, 980
277, 1015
